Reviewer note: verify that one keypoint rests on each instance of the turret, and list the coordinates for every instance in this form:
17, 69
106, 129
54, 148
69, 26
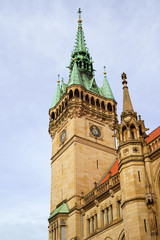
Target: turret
131, 142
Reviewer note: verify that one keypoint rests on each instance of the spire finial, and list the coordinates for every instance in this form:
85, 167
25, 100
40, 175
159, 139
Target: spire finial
79, 20
124, 77
127, 104
105, 70
79, 12
58, 79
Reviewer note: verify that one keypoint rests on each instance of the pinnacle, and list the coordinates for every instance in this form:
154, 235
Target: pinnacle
127, 104
106, 89
75, 77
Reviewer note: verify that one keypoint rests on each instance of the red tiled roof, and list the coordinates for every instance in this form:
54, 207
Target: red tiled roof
113, 169
154, 134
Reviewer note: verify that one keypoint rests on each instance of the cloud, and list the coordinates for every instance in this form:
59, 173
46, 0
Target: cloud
36, 41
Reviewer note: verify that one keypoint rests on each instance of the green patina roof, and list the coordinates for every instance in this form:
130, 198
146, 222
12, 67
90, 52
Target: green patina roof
81, 70
80, 44
63, 86
75, 77
57, 96
106, 90
61, 209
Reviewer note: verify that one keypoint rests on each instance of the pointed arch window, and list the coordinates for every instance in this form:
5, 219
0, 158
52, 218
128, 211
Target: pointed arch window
102, 105
59, 109
109, 107
124, 133
62, 106
76, 93
82, 96
63, 230
53, 116
66, 103
133, 131
87, 98
140, 131
92, 101
57, 112
97, 103
70, 94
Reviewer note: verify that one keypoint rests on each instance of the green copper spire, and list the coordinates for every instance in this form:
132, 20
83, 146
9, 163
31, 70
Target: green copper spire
81, 70
63, 86
75, 77
80, 53
57, 95
80, 39
106, 90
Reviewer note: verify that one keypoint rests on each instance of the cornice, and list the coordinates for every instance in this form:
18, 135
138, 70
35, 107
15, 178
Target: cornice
77, 108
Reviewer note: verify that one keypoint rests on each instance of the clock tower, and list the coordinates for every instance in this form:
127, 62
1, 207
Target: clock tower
82, 119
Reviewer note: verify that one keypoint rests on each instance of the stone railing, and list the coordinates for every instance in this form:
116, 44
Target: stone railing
104, 187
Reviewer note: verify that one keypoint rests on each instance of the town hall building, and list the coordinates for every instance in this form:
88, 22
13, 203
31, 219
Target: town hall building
99, 189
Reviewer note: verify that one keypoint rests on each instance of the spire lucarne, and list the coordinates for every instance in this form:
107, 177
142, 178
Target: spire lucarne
81, 70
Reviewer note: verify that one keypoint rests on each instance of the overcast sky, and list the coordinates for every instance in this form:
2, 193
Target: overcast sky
36, 40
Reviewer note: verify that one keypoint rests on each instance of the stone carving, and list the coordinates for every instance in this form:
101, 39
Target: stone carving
152, 221
111, 193
126, 151
96, 202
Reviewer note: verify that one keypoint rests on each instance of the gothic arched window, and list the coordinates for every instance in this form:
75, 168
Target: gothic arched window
63, 230
70, 94
109, 107
66, 103
76, 93
62, 106
140, 131
53, 116
124, 134
97, 103
82, 96
133, 131
102, 105
92, 101
87, 98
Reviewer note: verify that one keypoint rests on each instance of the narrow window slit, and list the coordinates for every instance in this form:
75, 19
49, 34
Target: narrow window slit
145, 225
139, 176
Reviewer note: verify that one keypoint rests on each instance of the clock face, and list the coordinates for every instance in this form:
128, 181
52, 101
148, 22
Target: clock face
63, 136
95, 131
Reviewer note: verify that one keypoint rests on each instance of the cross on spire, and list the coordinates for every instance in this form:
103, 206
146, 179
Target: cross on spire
79, 11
